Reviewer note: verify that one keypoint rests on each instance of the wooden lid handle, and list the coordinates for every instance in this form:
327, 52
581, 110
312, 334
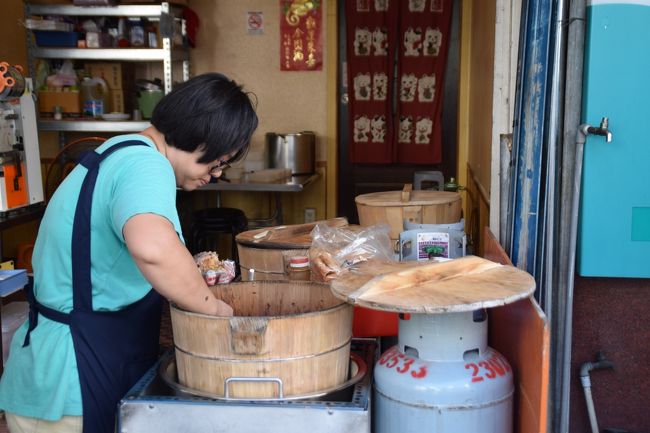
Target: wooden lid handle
406, 192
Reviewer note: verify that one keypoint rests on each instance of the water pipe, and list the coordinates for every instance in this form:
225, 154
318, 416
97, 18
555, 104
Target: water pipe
586, 386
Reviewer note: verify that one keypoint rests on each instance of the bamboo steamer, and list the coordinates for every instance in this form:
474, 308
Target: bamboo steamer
268, 250
297, 332
421, 207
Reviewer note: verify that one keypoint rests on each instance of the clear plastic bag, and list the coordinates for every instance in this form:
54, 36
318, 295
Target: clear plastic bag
65, 76
336, 249
213, 270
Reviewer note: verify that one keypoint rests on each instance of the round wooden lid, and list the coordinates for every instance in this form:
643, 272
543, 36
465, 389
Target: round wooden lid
296, 236
417, 198
464, 284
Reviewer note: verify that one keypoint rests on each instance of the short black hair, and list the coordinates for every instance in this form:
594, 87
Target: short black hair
210, 113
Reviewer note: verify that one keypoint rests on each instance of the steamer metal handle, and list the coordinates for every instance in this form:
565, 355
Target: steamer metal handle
253, 379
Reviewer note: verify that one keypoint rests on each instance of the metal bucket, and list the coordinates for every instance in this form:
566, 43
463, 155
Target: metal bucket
296, 152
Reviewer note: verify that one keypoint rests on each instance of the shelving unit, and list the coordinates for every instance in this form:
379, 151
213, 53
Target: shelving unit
164, 12
92, 126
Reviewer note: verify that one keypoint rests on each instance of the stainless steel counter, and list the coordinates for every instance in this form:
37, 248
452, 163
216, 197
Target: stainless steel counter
291, 184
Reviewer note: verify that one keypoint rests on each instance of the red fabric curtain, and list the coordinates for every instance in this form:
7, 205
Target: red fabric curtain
371, 27
416, 32
424, 27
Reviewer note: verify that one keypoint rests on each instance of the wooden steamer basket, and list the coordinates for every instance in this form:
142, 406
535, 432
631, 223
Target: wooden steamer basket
392, 208
420, 207
297, 332
268, 250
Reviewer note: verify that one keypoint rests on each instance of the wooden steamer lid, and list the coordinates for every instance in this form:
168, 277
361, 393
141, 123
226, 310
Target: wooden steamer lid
459, 285
285, 237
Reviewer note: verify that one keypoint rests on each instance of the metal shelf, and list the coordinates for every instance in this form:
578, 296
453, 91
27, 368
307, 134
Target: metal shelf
92, 126
116, 54
166, 55
145, 11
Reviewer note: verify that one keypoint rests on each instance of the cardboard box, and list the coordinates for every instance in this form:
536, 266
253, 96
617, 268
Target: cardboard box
117, 75
116, 103
68, 101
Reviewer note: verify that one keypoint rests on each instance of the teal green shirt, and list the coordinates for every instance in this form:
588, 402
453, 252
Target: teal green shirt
41, 380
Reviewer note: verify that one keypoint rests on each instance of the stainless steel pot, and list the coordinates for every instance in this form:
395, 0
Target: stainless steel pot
293, 151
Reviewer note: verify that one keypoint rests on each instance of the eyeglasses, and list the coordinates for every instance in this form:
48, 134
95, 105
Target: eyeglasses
216, 170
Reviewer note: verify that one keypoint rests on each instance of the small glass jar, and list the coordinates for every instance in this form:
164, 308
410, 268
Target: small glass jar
299, 268
58, 113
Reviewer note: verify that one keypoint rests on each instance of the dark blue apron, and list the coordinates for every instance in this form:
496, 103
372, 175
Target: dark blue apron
113, 348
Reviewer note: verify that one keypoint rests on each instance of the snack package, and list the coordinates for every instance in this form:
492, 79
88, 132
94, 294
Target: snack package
337, 249
214, 271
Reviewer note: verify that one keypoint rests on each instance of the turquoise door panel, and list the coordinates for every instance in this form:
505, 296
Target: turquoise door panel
614, 231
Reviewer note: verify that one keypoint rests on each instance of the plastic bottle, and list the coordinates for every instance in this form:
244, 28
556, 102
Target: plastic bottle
94, 97
136, 32
299, 268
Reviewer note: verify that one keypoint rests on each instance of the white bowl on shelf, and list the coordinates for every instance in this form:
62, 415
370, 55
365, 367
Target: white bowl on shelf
116, 116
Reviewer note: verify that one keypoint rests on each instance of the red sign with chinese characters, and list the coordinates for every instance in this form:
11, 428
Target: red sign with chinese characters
301, 26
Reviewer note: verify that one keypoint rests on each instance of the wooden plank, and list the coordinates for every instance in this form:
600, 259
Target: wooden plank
463, 284
520, 332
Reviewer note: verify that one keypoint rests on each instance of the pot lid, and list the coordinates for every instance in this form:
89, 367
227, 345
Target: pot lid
285, 237
458, 285
290, 134
413, 198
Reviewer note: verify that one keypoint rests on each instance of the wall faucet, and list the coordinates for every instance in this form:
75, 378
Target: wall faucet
603, 129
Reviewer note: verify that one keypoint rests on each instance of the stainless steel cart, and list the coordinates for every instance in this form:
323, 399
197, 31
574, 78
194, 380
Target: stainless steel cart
154, 406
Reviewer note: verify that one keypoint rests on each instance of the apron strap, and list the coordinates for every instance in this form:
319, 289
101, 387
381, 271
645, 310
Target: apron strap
81, 280
35, 308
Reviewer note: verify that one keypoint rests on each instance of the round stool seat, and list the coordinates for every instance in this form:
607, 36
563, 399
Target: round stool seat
226, 217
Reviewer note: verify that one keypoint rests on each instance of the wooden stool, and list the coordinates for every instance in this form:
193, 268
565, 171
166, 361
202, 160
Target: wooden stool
209, 222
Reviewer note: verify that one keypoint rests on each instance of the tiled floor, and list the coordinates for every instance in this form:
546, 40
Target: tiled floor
166, 340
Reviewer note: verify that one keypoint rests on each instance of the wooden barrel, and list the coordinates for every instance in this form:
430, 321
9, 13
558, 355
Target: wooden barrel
297, 332
421, 207
268, 250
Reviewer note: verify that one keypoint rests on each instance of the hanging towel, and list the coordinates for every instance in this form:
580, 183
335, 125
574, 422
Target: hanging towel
371, 41
424, 28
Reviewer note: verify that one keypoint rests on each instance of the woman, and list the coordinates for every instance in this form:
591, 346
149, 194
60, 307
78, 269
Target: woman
94, 319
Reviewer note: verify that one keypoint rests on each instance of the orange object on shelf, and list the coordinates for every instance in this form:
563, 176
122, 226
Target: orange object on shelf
14, 187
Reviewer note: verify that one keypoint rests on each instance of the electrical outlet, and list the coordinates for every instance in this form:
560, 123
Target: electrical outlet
310, 215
